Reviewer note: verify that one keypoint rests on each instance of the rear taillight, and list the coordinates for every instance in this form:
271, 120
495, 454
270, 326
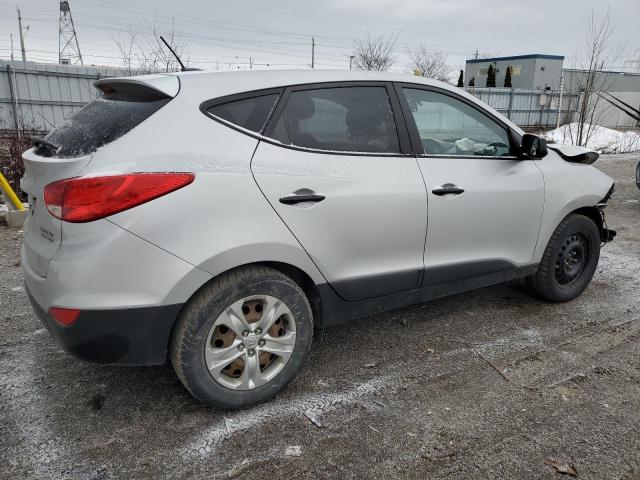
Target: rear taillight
64, 316
84, 199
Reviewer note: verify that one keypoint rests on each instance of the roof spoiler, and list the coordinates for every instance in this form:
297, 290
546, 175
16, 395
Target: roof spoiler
140, 88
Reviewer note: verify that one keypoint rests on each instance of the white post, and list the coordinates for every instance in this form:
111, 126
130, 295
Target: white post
560, 100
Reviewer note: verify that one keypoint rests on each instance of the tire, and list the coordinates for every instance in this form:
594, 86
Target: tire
569, 261
195, 340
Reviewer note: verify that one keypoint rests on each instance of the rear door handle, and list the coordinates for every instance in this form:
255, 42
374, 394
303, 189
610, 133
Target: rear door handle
447, 189
294, 198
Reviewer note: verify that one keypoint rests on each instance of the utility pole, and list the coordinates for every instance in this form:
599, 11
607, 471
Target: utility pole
250, 63
476, 54
24, 55
351, 57
11, 36
313, 51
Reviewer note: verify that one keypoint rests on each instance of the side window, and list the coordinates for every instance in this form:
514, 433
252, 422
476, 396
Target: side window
250, 113
345, 119
448, 126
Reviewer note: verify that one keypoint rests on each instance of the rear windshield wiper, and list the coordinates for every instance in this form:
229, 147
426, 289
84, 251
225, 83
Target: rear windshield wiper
40, 142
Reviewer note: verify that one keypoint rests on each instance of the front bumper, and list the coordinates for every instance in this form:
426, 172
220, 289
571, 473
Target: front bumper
135, 336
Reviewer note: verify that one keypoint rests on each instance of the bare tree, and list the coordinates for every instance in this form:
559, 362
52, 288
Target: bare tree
375, 53
145, 53
162, 60
429, 63
590, 79
126, 48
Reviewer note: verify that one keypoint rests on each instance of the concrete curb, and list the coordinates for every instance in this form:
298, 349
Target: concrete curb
16, 218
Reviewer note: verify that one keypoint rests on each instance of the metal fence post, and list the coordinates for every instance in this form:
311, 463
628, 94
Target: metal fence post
14, 101
560, 100
510, 103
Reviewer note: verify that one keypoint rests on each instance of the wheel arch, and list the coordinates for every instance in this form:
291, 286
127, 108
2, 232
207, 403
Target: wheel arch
585, 207
592, 213
297, 274
305, 282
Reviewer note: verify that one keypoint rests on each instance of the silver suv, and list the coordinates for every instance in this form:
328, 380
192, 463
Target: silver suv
216, 219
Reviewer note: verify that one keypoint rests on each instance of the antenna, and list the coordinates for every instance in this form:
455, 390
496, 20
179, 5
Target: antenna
182, 67
68, 46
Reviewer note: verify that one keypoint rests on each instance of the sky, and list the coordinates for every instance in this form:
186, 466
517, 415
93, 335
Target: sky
225, 35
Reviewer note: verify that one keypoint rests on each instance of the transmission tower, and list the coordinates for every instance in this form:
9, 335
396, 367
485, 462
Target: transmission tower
68, 46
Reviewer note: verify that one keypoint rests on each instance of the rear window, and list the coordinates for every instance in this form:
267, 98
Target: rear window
250, 113
101, 122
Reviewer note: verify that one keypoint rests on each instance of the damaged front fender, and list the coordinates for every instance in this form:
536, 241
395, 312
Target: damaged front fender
575, 154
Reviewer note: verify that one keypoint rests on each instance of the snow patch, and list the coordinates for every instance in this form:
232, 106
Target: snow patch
311, 404
602, 139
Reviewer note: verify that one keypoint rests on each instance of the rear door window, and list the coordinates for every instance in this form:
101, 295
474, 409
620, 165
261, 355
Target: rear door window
250, 113
342, 119
100, 122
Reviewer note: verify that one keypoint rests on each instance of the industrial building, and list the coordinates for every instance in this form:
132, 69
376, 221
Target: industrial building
527, 71
546, 73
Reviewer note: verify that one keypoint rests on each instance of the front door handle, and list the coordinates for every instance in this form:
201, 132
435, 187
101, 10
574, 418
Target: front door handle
294, 198
447, 189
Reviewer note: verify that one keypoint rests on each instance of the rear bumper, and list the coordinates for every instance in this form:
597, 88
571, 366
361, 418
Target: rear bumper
135, 336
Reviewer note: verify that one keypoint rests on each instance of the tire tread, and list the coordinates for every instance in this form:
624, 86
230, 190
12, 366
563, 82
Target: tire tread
539, 282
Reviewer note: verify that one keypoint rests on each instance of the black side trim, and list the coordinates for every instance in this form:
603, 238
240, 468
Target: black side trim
462, 271
377, 286
336, 310
137, 336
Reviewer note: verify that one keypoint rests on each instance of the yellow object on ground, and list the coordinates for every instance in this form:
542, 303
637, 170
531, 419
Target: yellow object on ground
9, 194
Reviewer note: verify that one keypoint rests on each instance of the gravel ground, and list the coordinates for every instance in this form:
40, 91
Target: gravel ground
488, 384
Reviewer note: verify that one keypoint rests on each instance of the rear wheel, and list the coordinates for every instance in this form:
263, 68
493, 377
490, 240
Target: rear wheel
242, 338
569, 261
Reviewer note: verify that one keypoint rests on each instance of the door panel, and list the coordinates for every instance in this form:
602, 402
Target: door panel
492, 225
485, 206
367, 235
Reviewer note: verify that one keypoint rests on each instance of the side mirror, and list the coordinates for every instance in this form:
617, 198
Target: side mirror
533, 146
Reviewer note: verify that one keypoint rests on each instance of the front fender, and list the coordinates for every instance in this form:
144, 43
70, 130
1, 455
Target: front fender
568, 187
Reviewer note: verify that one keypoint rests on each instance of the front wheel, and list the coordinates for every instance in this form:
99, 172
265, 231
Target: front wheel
569, 261
242, 338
